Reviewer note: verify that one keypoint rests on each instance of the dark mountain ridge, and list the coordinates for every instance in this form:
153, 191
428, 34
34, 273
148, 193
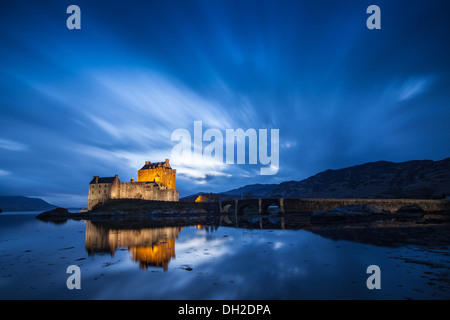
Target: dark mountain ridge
419, 179
20, 203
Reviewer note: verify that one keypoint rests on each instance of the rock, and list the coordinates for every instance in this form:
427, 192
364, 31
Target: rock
186, 267
54, 214
409, 213
194, 211
434, 218
345, 214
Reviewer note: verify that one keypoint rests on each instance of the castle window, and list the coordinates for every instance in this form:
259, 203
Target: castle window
99, 191
105, 191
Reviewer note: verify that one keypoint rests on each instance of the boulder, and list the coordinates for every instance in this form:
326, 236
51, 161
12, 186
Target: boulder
346, 214
55, 213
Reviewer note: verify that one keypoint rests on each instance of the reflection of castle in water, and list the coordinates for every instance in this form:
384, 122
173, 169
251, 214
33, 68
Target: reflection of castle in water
148, 246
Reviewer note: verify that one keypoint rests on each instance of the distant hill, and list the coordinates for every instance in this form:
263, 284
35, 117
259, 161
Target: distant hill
252, 190
20, 203
421, 179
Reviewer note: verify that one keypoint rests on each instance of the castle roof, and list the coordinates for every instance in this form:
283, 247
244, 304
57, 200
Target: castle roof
153, 165
103, 180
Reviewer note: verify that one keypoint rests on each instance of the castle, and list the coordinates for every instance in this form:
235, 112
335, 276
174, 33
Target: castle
155, 181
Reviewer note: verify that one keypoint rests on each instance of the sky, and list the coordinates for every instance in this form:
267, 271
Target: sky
103, 99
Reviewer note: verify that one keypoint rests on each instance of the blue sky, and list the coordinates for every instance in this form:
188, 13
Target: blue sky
104, 99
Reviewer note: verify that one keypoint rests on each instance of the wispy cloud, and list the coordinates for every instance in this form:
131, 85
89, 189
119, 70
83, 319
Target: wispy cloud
4, 172
12, 145
159, 101
414, 87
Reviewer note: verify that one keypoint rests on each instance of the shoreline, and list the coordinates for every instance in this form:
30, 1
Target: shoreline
383, 230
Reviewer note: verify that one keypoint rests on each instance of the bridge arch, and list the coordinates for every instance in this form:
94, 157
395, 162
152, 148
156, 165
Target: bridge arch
252, 207
267, 205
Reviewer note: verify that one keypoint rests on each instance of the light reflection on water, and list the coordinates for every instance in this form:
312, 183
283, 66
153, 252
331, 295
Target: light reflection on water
206, 262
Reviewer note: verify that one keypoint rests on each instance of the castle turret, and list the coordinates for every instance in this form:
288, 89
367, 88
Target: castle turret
158, 172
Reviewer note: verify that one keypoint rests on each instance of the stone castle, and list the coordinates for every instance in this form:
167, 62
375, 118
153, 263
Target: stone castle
155, 181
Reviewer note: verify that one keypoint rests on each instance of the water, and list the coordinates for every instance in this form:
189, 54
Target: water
206, 262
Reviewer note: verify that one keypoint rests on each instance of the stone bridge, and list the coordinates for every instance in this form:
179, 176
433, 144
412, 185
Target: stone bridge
312, 205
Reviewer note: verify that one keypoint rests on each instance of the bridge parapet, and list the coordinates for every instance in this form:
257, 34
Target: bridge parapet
312, 205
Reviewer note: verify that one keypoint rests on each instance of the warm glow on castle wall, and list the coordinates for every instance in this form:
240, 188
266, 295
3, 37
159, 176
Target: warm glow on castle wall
159, 172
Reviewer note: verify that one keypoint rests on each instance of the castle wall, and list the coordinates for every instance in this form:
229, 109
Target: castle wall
101, 192
144, 190
98, 193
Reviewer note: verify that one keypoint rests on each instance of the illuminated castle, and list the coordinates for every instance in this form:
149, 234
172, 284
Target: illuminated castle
155, 181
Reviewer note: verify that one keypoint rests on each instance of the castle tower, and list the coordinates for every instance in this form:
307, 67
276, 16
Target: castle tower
158, 172
101, 190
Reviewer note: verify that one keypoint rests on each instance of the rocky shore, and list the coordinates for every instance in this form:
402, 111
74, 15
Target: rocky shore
345, 215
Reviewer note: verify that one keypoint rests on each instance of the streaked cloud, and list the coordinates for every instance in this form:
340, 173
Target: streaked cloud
12, 145
414, 87
4, 172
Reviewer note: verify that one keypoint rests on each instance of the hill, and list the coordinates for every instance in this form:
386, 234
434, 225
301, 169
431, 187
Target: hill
20, 203
420, 179
253, 190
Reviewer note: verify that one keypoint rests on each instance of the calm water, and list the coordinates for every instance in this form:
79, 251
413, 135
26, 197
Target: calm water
201, 262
